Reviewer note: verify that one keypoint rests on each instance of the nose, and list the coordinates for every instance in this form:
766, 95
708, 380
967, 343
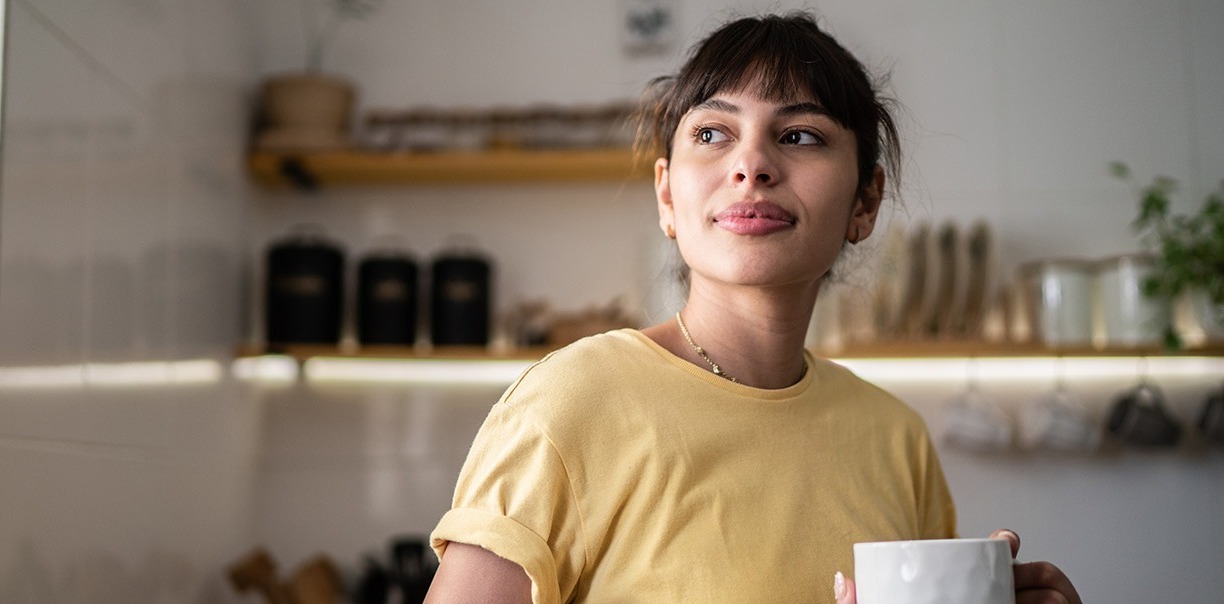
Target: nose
758, 177
753, 164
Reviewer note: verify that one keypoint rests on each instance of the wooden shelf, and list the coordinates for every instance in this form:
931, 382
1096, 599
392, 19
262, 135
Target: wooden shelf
936, 362
945, 349
332, 168
903, 350
302, 352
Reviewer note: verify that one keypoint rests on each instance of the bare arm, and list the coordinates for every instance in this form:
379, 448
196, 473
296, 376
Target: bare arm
470, 573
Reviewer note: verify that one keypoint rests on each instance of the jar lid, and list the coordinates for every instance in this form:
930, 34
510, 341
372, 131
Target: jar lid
461, 246
307, 234
389, 247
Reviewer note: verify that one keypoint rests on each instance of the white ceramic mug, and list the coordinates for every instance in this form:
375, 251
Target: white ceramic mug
973, 423
935, 571
1058, 422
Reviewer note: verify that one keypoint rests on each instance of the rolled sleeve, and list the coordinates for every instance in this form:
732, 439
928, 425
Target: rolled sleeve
506, 538
514, 498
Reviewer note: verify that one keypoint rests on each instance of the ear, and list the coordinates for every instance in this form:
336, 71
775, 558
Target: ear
866, 208
662, 185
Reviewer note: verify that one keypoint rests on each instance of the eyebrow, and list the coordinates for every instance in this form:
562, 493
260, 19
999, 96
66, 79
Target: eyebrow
806, 108
803, 109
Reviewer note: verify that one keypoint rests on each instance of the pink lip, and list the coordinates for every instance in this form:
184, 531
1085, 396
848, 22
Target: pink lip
754, 218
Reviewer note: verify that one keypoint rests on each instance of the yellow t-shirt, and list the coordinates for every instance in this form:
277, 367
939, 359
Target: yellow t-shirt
614, 471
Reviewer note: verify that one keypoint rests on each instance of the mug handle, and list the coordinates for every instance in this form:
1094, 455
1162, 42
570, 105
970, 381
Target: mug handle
1148, 395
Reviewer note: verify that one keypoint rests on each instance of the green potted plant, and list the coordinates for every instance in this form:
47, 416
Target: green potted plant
310, 110
1189, 251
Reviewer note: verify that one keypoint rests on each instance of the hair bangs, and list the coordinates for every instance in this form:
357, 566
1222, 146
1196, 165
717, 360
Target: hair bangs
778, 59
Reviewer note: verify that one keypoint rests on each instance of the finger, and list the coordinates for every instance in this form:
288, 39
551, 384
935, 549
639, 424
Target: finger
1012, 537
843, 589
1043, 576
1041, 596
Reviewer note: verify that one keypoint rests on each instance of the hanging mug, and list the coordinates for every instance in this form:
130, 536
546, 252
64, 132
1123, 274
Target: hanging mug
1139, 417
1211, 420
1058, 422
971, 422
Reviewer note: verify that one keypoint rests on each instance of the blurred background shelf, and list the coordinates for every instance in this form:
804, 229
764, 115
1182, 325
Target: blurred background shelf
304, 352
934, 362
945, 349
355, 167
889, 350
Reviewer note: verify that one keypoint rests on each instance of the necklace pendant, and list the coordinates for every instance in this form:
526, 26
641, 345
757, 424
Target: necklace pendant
701, 351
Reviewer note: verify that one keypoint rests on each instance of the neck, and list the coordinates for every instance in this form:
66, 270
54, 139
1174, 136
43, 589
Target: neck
751, 334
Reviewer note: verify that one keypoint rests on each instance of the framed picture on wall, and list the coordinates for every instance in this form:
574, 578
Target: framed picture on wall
648, 26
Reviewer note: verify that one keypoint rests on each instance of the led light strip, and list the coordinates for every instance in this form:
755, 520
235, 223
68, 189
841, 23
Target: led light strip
951, 369
1032, 368
148, 373
437, 371
266, 369
279, 369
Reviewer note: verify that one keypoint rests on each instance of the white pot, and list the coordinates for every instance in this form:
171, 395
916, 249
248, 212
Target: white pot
1198, 321
1208, 314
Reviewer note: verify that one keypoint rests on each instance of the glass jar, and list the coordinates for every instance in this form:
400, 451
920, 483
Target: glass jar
1060, 292
1125, 317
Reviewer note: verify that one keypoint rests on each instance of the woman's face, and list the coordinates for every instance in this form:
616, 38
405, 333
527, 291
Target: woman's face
763, 192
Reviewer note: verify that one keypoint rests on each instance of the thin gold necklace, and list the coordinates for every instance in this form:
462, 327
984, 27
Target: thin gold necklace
701, 351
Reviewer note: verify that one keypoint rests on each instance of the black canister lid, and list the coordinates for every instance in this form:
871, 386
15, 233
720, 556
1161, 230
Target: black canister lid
460, 248
306, 236
389, 248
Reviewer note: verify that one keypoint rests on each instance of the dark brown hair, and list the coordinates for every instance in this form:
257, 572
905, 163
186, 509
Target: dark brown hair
788, 56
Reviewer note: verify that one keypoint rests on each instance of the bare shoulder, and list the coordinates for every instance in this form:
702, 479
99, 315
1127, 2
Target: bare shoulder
469, 573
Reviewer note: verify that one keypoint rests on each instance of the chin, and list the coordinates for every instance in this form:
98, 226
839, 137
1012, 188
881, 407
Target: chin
761, 277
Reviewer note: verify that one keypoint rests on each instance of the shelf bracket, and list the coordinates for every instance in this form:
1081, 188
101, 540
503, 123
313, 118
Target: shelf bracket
293, 168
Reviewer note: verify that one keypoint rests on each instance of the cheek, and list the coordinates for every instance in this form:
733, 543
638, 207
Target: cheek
686, 195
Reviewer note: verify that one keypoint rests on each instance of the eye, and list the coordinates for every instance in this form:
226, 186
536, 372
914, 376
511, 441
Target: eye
708, 135
801, 137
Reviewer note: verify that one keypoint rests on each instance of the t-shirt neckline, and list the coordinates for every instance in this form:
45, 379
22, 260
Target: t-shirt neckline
705, 375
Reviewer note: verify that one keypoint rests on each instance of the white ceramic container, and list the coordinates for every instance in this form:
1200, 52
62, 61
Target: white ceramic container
938, 571
1062, 295
1125, 316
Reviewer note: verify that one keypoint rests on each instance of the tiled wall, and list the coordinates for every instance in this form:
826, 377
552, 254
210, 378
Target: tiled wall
127, 455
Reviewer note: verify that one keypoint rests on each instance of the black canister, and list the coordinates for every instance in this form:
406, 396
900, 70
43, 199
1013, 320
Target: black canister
304, 290
387, 300
460, 299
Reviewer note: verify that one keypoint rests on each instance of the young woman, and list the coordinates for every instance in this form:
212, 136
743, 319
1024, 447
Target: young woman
710, 458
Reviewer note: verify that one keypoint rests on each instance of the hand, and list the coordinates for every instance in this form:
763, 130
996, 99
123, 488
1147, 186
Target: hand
1036, 582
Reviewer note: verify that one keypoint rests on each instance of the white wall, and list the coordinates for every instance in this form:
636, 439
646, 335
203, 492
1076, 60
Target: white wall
1012, 113
121, 238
